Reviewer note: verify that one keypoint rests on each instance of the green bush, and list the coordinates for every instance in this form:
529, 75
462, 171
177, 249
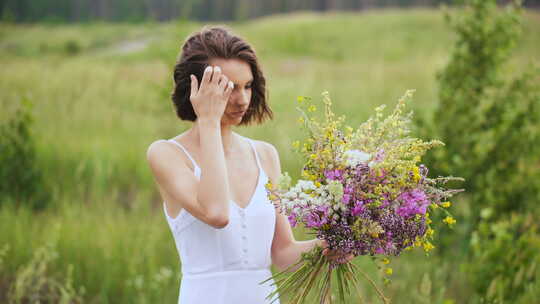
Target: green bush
505, 259
72, 47
22, 181
491, 127
490, 124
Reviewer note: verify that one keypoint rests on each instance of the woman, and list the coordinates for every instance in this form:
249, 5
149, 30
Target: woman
212, 179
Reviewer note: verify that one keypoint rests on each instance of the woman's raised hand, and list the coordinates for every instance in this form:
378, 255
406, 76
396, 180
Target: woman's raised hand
210, 98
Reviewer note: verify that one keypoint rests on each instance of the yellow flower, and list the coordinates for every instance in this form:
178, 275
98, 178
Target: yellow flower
449, 220
428, 220
430, 232
416, 174
317, 184
388, 271
386, 261
300, 99
296, 144
313, 156
269, 185
312, 108
428, 246
446, 204
301, 120
434, 206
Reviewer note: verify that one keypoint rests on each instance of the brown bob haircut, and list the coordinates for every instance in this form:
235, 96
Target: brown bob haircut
217, 42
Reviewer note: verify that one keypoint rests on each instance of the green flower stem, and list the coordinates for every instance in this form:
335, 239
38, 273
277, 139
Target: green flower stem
381, 295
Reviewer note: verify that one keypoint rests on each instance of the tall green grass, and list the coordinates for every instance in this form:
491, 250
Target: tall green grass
98, 107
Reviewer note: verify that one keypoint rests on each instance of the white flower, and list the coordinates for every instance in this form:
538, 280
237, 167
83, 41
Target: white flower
306, 185
355, 157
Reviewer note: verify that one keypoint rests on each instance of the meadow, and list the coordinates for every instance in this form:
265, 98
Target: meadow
101, 96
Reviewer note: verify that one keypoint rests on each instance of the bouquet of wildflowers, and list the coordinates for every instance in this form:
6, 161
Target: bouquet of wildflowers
364, 192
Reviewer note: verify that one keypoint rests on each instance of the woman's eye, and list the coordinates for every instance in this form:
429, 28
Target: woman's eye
248, 87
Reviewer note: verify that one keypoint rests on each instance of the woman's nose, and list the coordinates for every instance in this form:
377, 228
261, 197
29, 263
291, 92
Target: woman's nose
243, 98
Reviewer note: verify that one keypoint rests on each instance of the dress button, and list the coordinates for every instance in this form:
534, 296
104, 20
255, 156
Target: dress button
245, 250
244, 237
244, 226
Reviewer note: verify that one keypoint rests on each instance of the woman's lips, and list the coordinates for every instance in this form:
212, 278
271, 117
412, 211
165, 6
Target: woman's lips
239, 113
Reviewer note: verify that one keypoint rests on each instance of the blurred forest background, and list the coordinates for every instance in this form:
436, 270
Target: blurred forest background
85, 88
201, 10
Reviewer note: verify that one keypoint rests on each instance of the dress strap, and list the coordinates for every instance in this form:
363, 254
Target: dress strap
252, 144
195, 166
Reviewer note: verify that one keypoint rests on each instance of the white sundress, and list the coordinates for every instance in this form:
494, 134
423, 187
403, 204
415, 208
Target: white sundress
225, 266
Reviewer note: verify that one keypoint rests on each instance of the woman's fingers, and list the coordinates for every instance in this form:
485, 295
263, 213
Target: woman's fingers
223, 81
194, 86
228, 90
207, 75
216, 75
324, 243
337, 256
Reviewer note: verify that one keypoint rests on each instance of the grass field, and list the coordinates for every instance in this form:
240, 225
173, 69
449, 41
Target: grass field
101, 96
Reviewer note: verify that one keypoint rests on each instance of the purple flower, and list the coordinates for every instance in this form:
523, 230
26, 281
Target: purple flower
358, 208
317, 217
313, 220
292, 219
346, 198
413, 202
333, 174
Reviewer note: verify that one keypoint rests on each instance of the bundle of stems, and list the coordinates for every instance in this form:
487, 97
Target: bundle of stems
314, 275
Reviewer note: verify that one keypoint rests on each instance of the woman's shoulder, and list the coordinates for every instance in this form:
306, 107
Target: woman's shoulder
160, 146
265, 149
269, 157
164, 151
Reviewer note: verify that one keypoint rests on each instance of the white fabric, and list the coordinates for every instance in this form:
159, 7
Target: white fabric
222, 266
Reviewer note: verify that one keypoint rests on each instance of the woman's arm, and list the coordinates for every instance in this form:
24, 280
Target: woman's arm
207, 199
286, 251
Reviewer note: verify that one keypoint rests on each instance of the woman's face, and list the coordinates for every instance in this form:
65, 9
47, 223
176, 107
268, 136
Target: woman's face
240, 74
